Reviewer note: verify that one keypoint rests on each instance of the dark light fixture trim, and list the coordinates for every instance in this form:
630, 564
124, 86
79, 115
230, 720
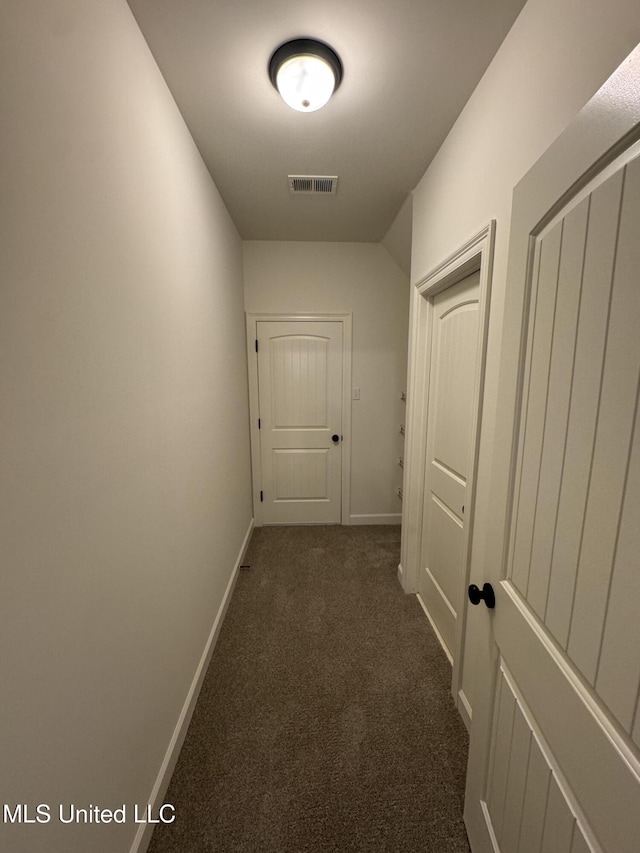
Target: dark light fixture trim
305, 47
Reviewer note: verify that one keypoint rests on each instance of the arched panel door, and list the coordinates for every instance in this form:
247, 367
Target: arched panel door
452, 378
300, 400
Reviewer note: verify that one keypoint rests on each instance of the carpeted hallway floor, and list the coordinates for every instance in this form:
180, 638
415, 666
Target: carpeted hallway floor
325, 722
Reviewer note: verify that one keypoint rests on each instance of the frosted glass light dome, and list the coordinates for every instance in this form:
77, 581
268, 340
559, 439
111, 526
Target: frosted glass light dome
305, 72
305, 83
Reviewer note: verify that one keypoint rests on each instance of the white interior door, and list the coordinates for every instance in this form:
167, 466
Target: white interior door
555, 753
449, 441
300, 402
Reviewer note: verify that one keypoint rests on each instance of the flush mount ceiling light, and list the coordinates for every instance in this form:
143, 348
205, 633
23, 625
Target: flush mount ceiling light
306, 72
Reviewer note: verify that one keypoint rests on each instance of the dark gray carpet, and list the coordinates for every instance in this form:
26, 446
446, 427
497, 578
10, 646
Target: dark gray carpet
325, 722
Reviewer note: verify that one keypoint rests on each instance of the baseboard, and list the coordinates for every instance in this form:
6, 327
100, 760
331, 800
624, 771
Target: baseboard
464, 709
401, 575
377, 518
143, 836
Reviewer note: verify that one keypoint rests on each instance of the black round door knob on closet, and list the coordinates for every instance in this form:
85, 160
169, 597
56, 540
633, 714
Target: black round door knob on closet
335, 439
485, 594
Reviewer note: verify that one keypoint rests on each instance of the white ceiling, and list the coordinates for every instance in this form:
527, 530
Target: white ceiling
409, 68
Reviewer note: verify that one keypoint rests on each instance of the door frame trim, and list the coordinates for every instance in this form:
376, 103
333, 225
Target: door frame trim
254, 402
475, 254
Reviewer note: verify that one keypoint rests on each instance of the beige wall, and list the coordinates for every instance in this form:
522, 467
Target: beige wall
558, 53
397, 240
125, 485
360, 278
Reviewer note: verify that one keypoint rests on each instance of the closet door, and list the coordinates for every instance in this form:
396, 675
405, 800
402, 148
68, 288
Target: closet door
300, 394
555, 747
454, 346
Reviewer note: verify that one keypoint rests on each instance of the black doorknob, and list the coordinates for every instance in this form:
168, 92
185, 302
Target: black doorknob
335, 439
486, 594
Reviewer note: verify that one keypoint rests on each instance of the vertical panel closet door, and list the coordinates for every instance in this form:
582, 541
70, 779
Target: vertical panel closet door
555, 761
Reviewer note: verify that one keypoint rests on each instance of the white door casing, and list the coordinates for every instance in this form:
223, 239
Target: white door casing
476, 255
555, 741
454, 339
299, 381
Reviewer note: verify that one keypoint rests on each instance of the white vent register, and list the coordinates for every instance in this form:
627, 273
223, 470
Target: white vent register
313, 184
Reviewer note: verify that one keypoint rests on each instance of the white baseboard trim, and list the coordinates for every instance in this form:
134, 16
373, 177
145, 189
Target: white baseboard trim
435, 630
143, 836
377, 518
464, 709
401, 575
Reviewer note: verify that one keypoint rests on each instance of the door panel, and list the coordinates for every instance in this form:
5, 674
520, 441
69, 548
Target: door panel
531, 807
455, 344
449, 426
301, 474
565, 624
534, 432
445, 548
300, 394
590, 337
596, 487
561, 375
299, 381
597, 768
618, 670
605, 499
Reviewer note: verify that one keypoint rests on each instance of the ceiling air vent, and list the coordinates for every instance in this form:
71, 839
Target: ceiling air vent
313, 184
